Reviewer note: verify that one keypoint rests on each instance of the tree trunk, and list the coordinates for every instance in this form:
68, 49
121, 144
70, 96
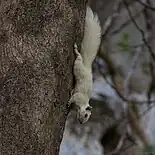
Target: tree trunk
36, 60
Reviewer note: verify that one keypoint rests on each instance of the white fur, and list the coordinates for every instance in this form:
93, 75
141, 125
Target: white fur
83, 66
92, 38
82, 91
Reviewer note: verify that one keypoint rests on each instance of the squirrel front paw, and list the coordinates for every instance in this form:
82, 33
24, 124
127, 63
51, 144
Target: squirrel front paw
69, 103
72, 104
71, 98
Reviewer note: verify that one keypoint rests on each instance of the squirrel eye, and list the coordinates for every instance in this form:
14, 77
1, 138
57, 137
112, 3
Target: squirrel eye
85, 115
89, 108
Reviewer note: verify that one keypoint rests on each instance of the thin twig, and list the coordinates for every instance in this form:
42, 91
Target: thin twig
125, 99
130, 73
149, 27
146, 5
125, 24
109, 22
140, 30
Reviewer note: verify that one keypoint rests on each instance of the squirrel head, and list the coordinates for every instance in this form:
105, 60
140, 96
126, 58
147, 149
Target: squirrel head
81, 105
84, 113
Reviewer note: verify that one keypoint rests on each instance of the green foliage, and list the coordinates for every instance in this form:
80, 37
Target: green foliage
145, 68
150, 149
153, 91
125, 36
123, 43
147, 150
123, 46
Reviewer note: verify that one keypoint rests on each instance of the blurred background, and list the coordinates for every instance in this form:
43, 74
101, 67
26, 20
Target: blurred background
123, 96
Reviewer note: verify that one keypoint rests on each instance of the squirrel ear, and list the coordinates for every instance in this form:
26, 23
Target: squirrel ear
89, 108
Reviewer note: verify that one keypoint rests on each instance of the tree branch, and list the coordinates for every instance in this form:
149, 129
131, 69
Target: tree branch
140, 30
146, 5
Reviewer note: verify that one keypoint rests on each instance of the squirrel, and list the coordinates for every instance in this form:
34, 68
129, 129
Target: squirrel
81, 94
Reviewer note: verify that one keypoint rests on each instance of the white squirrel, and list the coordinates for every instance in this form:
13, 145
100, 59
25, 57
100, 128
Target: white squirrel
83, 66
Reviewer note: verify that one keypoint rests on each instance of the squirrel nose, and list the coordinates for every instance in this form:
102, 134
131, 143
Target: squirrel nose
81, 121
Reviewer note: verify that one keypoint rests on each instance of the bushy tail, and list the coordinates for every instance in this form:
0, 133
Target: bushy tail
92, 38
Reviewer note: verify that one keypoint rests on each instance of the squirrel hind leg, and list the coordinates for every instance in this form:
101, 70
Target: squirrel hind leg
76, 50
78, 64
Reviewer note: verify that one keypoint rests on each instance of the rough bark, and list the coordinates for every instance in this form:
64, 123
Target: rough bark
36, 58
